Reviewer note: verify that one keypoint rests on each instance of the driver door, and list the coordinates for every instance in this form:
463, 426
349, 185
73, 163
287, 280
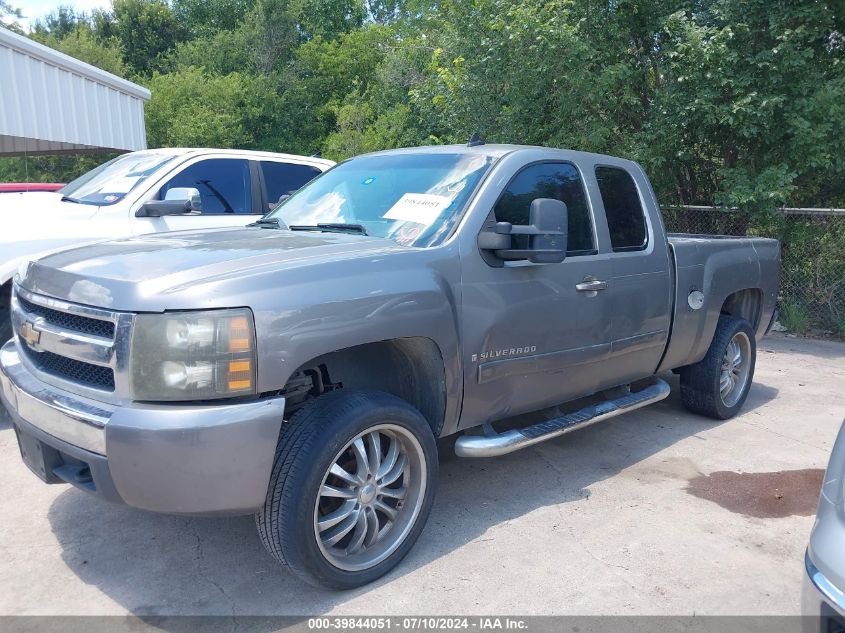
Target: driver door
533, 335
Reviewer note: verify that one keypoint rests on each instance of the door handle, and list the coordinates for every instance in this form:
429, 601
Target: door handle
591, 285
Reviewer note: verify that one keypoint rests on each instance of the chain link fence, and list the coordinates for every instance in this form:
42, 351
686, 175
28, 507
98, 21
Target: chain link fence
812, 282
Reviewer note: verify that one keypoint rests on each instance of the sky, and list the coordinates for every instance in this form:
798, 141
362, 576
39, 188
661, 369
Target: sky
34, 9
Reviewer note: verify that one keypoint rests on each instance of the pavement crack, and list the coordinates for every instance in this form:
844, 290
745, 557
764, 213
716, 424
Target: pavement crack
199, 558
612, 566
594, 557
782, 436
551, 464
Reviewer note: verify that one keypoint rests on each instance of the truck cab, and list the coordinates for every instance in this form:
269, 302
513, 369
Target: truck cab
599, 318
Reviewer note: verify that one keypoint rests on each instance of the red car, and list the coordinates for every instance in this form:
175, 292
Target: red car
18, 187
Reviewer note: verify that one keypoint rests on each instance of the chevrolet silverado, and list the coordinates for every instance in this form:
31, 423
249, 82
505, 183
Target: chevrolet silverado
300, 369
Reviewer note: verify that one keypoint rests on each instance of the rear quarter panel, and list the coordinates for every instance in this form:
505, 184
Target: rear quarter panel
717, 266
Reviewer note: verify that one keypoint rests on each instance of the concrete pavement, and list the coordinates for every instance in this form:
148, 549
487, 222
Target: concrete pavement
655, 512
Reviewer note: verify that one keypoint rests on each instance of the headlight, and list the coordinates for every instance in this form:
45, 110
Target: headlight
193, 355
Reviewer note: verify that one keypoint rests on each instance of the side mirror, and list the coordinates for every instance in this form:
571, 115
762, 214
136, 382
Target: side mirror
177, 201
547, 234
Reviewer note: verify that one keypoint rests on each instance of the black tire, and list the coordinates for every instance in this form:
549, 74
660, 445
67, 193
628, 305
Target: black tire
308, 444
700, 383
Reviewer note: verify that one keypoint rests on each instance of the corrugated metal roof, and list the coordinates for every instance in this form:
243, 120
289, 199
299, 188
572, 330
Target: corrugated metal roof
51, 103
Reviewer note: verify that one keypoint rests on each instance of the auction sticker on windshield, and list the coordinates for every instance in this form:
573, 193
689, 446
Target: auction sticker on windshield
422, 208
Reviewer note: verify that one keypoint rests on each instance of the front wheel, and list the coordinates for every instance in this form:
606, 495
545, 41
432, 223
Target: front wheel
351, 488
718, 384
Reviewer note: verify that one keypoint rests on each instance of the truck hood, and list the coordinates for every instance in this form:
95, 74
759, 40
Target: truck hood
175, 268
36, 223
30, 213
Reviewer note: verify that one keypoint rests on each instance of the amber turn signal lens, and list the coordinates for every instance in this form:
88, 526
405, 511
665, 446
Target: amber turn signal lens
240, 375
239, 335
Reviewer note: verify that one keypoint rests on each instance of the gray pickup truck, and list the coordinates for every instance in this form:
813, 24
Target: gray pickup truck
301, 368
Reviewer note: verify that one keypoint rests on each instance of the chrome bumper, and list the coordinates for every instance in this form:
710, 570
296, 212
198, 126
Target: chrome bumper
74, 420
817, 586
174, 458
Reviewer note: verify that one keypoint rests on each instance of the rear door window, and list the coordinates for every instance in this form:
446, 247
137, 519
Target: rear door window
282, 179
625, 217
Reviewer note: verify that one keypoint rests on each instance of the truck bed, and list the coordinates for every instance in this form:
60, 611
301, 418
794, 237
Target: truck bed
715, 265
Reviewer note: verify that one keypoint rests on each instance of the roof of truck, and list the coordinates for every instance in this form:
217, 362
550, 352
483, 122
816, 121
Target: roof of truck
247, 153
494, 150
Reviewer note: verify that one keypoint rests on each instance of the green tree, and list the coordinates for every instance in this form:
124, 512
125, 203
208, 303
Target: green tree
278, 27
359, 129
515, 73
49, 168
146, 29
192, 108
739, 103
204, 18
750, 104
9, 16
82, 43
323, 74
221, 53
328, 19
274, 34
59, 23
722, 101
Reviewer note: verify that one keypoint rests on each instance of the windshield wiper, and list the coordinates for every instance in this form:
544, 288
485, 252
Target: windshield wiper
270, 223
69, 199
330, 227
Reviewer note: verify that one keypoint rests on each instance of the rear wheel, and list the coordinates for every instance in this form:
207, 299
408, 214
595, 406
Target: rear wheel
718, 385
351, 488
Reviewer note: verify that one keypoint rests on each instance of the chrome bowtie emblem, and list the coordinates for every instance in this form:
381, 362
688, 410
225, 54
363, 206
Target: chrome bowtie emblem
29, 334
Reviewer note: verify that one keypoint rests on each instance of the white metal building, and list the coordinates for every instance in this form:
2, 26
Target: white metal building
53, 103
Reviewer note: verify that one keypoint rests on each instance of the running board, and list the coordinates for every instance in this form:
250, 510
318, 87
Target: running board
495, 444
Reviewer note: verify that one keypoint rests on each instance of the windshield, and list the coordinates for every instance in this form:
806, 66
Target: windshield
111, 181
414, 199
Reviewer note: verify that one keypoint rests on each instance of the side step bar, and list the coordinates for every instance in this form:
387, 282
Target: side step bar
495, 444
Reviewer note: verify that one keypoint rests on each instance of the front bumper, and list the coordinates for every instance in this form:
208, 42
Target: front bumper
822, 602
175, 458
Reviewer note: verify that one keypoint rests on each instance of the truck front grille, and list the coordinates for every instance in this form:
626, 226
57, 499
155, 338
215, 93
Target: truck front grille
73, 346
94, 376
68, 321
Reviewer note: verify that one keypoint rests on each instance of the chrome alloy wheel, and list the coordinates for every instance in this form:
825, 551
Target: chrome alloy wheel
735, 369
370, 497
